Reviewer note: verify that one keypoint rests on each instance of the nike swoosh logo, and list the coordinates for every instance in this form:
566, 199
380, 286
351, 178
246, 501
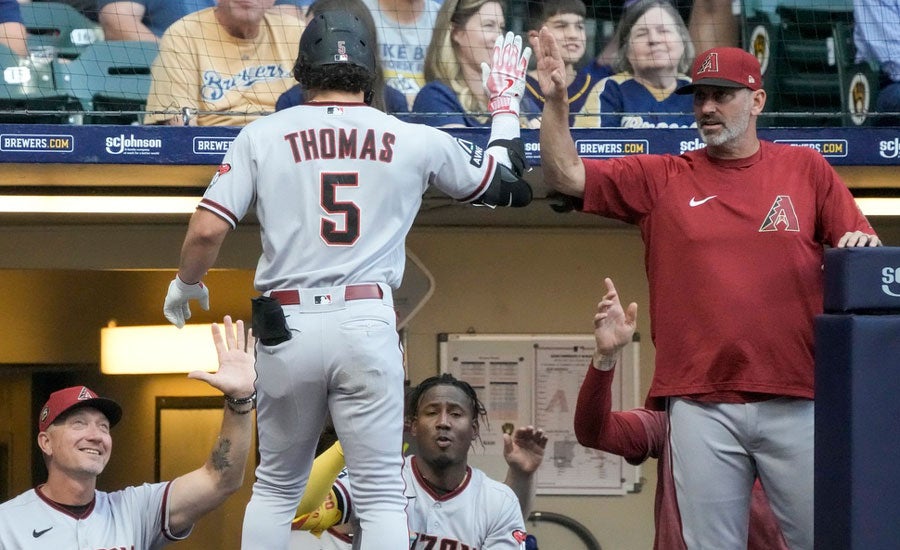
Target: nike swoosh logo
509, 84
694, 202
35, 533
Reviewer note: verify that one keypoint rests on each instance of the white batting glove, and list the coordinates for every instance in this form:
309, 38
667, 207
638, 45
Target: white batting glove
504, 79
176, 309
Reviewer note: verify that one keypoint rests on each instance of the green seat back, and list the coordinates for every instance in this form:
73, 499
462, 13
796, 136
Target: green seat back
60, 26
109, 76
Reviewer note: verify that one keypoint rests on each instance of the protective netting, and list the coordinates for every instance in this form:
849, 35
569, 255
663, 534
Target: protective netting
819, 60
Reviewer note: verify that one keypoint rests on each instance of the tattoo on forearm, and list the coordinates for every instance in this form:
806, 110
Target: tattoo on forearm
219, 458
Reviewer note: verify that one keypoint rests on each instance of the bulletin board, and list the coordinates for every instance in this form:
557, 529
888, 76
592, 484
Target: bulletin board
534, 379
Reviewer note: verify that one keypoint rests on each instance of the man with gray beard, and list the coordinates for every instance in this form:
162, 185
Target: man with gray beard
735, 234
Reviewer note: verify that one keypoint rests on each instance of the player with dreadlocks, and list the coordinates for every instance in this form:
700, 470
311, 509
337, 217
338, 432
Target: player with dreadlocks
452, 504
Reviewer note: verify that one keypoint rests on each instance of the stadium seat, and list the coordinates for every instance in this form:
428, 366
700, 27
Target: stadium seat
60, 26
807, 55
108, 78
28, 93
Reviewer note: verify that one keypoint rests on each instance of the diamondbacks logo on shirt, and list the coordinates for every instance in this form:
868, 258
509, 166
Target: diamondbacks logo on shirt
710, 64
222, 169
781, 216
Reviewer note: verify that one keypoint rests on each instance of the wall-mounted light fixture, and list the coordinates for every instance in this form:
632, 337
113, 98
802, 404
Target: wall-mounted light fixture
156, 349
879, 206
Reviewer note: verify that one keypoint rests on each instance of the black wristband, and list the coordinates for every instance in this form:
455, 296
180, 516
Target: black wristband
235, 411
232, 403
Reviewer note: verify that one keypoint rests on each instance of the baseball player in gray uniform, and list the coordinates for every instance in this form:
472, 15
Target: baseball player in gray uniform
74, 436
336, 186
452, 505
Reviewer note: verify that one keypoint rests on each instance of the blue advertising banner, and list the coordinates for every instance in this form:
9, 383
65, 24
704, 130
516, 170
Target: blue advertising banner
169, 145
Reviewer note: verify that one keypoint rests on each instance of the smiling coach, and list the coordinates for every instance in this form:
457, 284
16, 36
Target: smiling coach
68, 512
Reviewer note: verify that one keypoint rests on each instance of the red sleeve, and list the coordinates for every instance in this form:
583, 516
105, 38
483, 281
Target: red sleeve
839, 212
627, 188
621, 433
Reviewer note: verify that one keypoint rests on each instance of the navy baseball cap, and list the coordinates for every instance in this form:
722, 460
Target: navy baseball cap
77, 396
725, 67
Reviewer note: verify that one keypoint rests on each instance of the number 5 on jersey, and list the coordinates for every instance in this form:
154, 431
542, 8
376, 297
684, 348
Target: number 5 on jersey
330, 231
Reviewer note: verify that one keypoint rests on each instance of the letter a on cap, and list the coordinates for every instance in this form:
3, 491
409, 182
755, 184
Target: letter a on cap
711, 63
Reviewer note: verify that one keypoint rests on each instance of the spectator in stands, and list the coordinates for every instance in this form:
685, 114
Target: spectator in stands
439, 479
12, 30
385, 98
877, 40
463, 39
654, 51
565, 19
228, 65
147, 20
404, 32
712, 23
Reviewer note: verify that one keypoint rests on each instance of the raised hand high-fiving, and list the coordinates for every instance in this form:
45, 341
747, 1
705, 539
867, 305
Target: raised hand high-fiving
551, 69
613, 326
504, 78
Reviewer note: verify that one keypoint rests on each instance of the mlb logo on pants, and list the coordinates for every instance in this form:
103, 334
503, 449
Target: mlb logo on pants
323, 299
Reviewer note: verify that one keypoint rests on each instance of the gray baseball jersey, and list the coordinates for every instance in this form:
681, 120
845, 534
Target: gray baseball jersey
481, 514
134, 518
336, 188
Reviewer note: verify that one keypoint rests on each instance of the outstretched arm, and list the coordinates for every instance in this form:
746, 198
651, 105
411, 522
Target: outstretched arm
596, 425
524, 452
205, 235
504, 84
194, 494
123, 21
14, 36
561, 166
613, 327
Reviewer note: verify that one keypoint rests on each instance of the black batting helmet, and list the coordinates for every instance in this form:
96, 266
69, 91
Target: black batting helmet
334, 38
